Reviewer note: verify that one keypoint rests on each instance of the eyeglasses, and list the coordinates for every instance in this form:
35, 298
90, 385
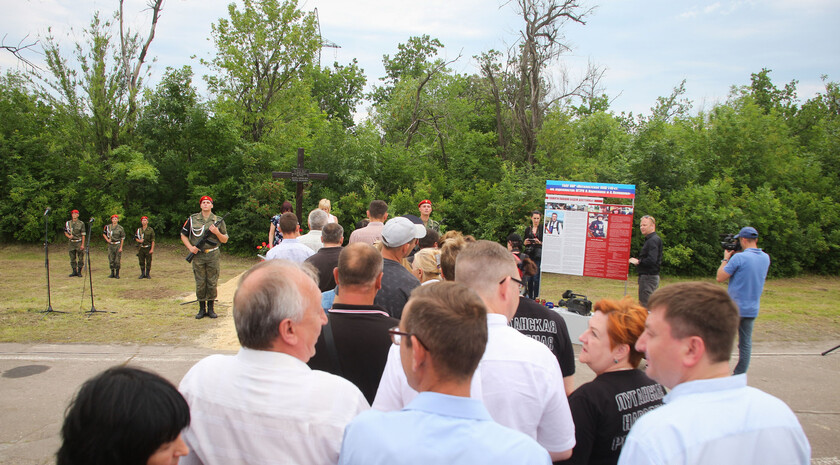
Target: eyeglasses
517, 281
397, 335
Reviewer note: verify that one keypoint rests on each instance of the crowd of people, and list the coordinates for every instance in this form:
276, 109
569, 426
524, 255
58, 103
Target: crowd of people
407, 346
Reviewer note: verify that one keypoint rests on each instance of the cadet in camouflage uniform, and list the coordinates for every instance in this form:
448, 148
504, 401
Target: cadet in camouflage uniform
114, 234
206, 263
75, 231
145, 238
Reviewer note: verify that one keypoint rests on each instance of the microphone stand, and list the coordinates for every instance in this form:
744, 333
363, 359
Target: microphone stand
47, 262
90, 274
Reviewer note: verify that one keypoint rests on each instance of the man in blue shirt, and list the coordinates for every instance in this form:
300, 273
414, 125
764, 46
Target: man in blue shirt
709, 417
442, 336
746, 272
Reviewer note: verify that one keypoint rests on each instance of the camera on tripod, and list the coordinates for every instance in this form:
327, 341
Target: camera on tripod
729, 242
576, 303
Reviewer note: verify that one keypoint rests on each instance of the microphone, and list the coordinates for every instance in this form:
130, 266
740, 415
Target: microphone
47, 212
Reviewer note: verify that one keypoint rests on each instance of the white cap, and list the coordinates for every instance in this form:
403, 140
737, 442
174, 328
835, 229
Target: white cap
400, 231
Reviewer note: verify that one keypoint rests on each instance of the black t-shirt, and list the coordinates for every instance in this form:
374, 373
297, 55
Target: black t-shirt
362, 342
547, 326
325, 260
604, 410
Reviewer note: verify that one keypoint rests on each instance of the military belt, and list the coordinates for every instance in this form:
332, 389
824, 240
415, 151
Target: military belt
115, 242
210, 250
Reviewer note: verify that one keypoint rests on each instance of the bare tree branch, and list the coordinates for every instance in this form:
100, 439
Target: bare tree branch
20, 47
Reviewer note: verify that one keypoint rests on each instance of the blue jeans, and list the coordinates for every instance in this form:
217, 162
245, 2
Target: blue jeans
745, 329
533, 283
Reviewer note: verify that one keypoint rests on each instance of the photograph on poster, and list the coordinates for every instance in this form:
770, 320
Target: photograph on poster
554, 222
597, 225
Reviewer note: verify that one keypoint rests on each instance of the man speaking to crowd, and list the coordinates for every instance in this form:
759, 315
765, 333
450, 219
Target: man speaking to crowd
650, 258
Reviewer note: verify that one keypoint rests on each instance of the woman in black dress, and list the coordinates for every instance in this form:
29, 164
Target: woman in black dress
533, 237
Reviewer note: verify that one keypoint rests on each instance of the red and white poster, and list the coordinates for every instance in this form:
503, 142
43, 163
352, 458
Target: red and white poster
583, 235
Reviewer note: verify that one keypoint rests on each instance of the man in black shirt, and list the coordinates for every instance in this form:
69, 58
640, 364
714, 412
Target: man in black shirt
359, 329
650, 258
326, 258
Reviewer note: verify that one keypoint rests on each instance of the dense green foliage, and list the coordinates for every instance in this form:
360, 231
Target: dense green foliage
762, 158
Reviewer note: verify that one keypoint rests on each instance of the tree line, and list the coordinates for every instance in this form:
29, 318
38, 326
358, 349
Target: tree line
86, 133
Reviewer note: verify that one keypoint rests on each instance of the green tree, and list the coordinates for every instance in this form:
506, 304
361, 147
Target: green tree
338, 90
263, 53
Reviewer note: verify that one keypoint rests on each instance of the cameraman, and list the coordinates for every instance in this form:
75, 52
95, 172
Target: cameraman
746, 272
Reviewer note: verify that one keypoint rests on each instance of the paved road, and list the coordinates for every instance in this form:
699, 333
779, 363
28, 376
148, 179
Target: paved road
38, 380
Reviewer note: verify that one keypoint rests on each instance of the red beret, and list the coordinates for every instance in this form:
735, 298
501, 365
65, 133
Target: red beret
425, 201
115, 216
74, 211
144, 218
206, 197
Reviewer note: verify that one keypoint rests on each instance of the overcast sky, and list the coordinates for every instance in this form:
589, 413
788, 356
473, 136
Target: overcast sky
647, 47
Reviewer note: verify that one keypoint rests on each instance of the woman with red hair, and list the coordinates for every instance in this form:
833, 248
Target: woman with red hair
605, 408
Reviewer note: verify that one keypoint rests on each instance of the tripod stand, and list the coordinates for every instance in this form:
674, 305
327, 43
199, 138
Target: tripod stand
90, 275
47, 262
831, 350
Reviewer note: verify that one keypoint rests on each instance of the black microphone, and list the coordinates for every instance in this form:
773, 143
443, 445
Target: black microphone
47, 212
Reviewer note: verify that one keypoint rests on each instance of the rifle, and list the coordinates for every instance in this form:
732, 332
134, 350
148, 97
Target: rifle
204, 238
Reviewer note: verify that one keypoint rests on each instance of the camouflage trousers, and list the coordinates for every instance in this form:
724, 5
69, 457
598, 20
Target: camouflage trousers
77, 255
206, 268
114, 256
145, 257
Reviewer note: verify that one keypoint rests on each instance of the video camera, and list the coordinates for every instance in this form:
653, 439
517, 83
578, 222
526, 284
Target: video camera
576, 303
729, 242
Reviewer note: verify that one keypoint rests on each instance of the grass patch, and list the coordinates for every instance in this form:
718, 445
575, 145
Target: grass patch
792, 309
147, 311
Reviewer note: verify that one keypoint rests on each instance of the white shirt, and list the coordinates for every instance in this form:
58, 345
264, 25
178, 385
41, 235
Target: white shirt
262, 407
718, 421
312, 239
290, 249
518, 380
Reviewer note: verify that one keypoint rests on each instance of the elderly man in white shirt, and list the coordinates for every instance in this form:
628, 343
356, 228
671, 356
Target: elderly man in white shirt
264, 404
317, 220
518, 378
709, 417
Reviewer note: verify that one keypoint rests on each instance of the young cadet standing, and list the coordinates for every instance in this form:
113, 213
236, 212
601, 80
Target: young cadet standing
75, 231
114, 234
207, 259
145, 237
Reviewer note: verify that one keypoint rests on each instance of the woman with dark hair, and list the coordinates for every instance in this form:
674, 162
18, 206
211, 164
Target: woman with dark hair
533, 237
274, 234
605, 408
526, 266
124, 416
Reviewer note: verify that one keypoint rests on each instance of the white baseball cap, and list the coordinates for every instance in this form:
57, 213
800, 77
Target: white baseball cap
400, 231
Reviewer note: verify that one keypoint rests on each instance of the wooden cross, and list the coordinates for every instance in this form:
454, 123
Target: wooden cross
299, 175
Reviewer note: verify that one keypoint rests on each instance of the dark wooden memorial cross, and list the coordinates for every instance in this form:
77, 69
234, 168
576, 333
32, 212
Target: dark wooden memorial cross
299, 175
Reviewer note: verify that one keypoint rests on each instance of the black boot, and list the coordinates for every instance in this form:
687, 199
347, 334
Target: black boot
72, 274
201, 310
117, 273
112, 273
79, 272
148, 269
142, 273
210, 311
